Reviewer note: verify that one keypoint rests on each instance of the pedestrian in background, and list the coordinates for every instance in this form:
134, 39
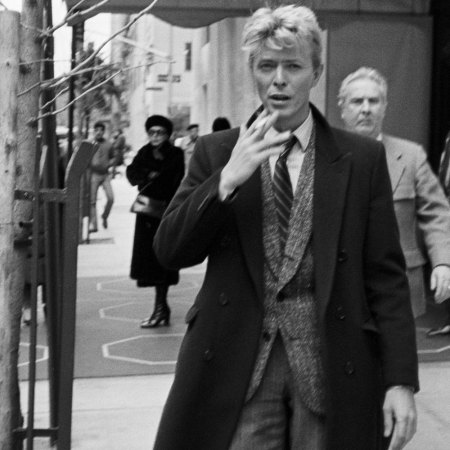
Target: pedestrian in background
302, 330
156, 170
187, 143
119, 146
220, 123
422, 211
103, 160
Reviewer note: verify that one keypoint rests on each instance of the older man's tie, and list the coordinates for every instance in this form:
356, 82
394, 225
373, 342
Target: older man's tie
282, 188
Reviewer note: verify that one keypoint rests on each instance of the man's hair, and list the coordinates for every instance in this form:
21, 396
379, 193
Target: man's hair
99, 125
280, 28
363, 73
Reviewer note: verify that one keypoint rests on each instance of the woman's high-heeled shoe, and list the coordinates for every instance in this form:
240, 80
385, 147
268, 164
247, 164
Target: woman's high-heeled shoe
161, 316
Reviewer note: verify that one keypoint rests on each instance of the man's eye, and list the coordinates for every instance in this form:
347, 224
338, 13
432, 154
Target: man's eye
266, 66
294, 66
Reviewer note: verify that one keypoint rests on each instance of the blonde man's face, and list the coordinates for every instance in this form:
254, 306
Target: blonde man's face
284, 79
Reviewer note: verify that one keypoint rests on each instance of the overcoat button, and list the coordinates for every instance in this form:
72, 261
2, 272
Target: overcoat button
340, 312
266, 336
208, 355
342, 255
349, 368
223, 299
281, 296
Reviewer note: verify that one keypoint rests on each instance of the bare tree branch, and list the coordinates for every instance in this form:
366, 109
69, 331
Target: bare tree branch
4, 6
77, 70
75, 7
51, 113
49, 103
73, 13
123, 29
55, 82
43, 60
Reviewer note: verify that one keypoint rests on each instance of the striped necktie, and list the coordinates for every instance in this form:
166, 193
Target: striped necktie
282, 189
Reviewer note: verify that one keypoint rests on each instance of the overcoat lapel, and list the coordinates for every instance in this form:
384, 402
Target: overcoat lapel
395, 162
248, 210
330, 185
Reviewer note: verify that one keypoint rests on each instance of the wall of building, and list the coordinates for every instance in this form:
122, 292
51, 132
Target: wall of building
155, 86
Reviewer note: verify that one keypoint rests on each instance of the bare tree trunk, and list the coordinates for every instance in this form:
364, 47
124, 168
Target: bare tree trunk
28, 107
10, 308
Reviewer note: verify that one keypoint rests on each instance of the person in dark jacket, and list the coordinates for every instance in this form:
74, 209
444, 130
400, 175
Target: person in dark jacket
157, 170
301, 336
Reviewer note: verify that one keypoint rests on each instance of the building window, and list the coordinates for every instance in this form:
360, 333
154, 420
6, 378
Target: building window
188, 56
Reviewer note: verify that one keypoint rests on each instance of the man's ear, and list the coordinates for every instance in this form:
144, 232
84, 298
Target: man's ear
318, 73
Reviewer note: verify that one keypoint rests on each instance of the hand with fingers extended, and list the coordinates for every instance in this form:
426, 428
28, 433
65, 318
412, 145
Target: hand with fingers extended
400, 417
440, 282
250, 151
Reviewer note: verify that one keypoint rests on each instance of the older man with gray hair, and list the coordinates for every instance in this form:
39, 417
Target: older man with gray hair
422, 211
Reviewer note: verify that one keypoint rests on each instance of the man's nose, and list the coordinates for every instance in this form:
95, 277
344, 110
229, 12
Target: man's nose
279, 79
365, 106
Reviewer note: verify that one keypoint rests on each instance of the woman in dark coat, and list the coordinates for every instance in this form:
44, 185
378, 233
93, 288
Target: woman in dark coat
157, 170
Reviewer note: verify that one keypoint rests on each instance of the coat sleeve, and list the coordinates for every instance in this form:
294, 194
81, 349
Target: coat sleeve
432, 210
194, 216
386, 284
137, 171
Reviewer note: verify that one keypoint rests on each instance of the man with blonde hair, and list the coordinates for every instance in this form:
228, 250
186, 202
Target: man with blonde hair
303, 327
422, 211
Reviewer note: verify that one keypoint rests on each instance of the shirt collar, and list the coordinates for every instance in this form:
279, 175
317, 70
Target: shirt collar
302, 133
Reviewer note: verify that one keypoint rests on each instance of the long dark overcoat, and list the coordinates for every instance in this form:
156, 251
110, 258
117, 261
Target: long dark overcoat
166, 175
361, 291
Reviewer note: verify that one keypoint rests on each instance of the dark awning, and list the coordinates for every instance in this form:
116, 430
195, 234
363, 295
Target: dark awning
199, 13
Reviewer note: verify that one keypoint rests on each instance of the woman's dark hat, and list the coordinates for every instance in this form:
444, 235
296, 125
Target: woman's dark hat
159, 121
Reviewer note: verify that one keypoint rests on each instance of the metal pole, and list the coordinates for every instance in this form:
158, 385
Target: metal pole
77, 166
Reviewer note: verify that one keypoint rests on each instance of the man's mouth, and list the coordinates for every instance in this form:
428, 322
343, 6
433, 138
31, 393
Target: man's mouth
279, 97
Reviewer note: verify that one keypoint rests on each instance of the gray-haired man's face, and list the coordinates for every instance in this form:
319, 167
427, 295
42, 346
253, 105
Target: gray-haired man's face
364, 108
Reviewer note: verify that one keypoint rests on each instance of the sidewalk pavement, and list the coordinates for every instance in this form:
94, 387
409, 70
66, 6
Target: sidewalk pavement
122, 413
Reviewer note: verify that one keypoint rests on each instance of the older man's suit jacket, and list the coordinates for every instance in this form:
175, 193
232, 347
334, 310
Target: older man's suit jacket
361, 291
422, 211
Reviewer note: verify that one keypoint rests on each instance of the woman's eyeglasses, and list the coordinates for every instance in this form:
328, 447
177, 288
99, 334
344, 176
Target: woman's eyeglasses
156, 132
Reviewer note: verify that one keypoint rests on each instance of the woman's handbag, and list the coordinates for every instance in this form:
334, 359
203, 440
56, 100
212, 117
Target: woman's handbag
148, 206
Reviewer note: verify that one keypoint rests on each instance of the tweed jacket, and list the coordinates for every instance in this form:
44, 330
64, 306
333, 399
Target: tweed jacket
289, 304
360, 288
422, 211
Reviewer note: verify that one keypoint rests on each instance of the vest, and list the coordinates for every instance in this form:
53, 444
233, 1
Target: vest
289, 304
